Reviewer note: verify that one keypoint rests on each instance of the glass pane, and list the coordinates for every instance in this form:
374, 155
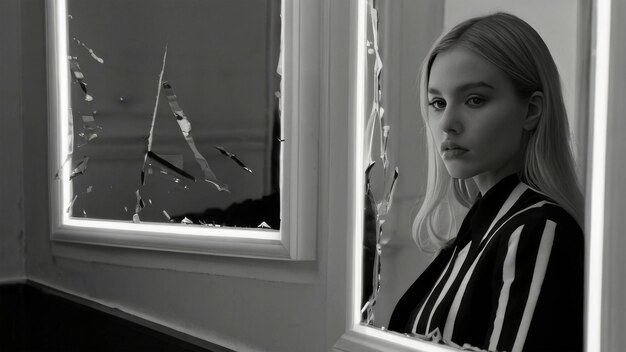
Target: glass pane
392, 261
176, 111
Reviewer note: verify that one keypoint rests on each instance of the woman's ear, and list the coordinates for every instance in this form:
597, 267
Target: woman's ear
534, 112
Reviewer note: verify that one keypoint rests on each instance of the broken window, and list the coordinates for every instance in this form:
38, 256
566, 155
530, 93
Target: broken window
175, 111
380, 172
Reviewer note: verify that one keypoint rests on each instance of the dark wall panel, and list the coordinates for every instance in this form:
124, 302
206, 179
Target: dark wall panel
32, 319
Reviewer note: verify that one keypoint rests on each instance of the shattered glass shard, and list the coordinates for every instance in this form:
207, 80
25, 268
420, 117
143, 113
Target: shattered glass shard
57, 176
69, 208
78, 75
140, 204
90, 129
80, 168
264, 225
89, 123
234, 158
91, 52
185, 127
392, 188
153, 158
179, 114
88, 137
222, 187
70, 134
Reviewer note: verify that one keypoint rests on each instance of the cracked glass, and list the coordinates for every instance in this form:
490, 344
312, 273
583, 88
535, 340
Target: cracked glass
175, 111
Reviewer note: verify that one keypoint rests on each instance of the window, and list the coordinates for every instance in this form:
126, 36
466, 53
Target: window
360, 337
173, 128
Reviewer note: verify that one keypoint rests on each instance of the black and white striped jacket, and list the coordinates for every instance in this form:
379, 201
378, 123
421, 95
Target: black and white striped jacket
512, 280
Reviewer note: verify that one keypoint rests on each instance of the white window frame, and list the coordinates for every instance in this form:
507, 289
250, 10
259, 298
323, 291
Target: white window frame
296, 240
360, 338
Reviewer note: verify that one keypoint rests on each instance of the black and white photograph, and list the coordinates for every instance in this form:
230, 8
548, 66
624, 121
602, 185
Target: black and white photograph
312, 175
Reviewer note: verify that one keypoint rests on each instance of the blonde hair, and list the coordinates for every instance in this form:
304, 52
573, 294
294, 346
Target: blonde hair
518, 51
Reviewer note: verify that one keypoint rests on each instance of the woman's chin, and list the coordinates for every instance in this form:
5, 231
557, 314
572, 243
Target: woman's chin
459, 173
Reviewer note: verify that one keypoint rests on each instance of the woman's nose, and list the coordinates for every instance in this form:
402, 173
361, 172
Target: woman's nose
450, 121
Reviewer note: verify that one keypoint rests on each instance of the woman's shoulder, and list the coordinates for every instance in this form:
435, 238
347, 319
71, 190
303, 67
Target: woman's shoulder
535, 204
537, 210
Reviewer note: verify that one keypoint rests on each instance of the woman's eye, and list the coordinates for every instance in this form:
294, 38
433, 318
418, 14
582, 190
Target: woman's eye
475, 101
438, 104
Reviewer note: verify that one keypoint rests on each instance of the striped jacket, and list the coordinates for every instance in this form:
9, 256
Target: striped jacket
512, 280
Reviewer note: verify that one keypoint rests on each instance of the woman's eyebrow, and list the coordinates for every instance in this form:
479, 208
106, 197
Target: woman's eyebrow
463, 87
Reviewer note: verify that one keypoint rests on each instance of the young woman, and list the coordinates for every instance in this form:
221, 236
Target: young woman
498, 138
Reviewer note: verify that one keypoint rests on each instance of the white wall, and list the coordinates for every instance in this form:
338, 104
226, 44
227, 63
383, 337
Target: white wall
11, 196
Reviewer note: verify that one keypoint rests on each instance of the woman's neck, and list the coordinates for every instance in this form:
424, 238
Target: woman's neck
487, 180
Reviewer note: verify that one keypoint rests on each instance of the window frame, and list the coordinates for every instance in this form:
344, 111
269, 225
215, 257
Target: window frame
356, 336
296, 240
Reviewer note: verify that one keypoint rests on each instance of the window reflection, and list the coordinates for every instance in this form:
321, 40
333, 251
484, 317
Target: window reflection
406, 30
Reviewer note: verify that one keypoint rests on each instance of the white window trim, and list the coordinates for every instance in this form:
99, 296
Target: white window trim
360, 338
297, 238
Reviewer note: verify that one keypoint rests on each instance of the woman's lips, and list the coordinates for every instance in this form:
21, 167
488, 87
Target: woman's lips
450, 150
453, 153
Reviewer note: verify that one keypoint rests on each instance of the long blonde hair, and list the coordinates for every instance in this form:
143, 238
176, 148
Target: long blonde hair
518, 51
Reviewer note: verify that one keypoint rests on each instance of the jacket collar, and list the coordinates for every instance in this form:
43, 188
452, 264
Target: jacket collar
486, 206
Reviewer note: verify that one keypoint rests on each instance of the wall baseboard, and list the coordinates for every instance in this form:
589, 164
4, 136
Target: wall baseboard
13, 280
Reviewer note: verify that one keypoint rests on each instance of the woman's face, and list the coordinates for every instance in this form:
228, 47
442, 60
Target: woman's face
475, 116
